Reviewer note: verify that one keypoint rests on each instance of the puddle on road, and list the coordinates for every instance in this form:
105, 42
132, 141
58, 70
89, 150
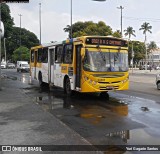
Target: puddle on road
134, 137
93, 109
117, 121
23, 78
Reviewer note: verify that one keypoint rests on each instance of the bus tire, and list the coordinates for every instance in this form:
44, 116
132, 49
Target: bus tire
40, 81
43, 86
104, 95
40, 77
67, 87
158, 85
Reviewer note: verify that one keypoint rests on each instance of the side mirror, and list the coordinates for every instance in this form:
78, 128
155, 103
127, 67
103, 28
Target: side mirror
1, 30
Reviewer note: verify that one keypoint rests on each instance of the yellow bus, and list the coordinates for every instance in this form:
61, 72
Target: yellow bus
87, 64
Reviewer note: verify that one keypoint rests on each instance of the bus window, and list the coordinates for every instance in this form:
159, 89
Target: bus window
39, 55
59, 54
52, 59
68, 53
32, 56
43, 55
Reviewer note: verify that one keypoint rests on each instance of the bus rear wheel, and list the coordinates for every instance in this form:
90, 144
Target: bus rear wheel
40, 78
41, 83
158, 85
67, 87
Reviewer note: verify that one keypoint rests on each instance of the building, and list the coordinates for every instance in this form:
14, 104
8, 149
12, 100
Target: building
153, 59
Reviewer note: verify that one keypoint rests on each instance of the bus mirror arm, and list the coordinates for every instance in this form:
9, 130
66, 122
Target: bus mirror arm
82, 54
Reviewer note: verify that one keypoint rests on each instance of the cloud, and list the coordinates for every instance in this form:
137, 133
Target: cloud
52, 23
156, 38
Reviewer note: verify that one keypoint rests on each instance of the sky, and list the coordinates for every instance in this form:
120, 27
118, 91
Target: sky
56, 14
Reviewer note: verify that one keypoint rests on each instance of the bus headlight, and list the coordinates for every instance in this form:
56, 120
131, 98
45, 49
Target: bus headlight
94, 83
124, 80
86, 78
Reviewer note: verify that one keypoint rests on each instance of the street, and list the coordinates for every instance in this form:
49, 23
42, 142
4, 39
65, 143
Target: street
127, 118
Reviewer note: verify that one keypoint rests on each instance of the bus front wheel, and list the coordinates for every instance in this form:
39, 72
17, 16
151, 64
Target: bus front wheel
40, 78
41, 84
104, 95
67, 87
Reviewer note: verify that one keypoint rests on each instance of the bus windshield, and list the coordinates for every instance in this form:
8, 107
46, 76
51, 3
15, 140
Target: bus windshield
98, 61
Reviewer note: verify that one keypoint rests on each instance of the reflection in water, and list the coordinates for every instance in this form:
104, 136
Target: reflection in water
94, 114
124, 135
93, 111
121, 109
99, 121
50, 103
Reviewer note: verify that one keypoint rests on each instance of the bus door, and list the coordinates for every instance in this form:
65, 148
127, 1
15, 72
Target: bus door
78, 66
57, 75
35, 63
51, 60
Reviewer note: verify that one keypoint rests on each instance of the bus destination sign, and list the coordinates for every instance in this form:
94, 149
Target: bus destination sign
106, 41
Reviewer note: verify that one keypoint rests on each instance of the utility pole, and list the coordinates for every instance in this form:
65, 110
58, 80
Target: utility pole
20, 30
121, 18
20, 36
5, 59
39, 23
145, 51
132, 56
71, 20
1, 36
71, 29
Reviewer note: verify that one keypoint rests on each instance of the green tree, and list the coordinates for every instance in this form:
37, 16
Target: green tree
89, 28
152, 46
12, 34
7, 19
139, 51
68, 30
28, 39
117, 33
145, 27
21, 53
129, 32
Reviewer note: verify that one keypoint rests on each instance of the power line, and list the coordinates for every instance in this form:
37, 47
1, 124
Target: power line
142, 19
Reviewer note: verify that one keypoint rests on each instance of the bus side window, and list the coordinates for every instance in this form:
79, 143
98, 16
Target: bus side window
68, 53
58, 54
40, 55
45, 55
32, 56
52, 57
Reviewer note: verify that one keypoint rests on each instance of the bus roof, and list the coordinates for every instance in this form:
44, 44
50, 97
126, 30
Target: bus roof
82, 38
42, 45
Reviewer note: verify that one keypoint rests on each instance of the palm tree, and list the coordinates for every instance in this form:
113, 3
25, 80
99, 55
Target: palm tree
151, 47
146, 28
129, 31
68, 29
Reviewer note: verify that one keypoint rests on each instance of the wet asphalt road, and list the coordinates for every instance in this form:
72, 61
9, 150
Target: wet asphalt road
127, 118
